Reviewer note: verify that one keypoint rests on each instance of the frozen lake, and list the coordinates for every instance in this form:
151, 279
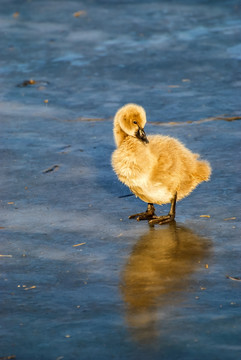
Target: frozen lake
78, 279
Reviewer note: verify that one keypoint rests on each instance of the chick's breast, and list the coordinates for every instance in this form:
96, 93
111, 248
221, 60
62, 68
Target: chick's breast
131, 162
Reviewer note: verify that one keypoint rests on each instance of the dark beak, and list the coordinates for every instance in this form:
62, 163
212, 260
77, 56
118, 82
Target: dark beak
140, 134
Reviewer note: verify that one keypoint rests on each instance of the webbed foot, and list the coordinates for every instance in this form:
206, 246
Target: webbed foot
147, 215
161, 220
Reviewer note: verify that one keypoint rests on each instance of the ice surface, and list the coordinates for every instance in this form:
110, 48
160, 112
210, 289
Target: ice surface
78, 279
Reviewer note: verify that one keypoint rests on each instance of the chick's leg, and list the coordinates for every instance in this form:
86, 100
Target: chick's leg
166, 218
149, 214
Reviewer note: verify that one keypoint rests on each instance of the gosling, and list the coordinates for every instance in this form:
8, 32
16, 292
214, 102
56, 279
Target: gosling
158, 169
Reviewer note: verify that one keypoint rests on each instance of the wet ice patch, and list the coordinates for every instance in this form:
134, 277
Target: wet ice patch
192, 34
47, 28
6, 68
12, 108
128, 43
73, 59
68, 57
235, 52
87, 36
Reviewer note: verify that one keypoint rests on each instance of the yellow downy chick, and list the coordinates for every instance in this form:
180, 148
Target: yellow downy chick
158, 169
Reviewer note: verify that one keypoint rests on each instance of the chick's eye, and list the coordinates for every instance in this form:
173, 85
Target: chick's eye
134, 122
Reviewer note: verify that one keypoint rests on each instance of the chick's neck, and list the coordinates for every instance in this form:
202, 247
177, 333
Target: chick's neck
119, 134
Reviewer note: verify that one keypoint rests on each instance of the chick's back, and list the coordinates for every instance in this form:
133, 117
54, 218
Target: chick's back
176, 166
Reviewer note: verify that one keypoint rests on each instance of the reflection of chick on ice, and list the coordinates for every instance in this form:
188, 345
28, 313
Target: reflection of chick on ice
158, 169
156, 276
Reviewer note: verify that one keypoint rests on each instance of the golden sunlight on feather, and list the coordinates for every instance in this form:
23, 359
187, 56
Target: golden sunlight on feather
158, 169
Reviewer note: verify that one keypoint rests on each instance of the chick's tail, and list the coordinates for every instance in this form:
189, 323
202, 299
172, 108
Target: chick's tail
203, 171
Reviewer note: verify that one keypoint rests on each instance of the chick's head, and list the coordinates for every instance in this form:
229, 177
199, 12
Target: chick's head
132, 119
